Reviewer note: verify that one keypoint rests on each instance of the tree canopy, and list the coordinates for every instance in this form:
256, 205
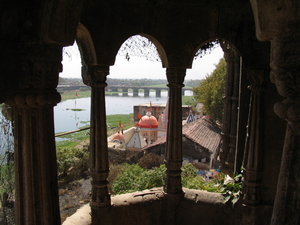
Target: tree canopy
211, 91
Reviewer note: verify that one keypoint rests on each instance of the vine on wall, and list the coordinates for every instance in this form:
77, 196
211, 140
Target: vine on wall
6, 166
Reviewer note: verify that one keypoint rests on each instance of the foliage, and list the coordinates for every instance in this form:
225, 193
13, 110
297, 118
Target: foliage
189, 100
191, 180
87, 88
232, 189
206, 48
139, 46
149, 161
191, 83
61, 80
72, 163
134, 178
114, 171
211, 91
142, 47
7, 177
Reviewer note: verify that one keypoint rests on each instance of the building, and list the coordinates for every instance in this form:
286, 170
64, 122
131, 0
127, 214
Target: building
261, 124
137, 141
156, 110
200, 142
148, 127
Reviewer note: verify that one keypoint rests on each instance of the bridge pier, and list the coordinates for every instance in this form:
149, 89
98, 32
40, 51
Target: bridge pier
158, 92
125, 91
135, 92
146, 92
182, 92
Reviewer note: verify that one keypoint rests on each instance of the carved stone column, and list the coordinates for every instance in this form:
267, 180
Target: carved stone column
230, 115
254, 141
95, 77
285, 64
175, 78
36, 186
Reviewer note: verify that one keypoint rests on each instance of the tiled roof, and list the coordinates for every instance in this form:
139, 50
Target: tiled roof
204, 133
201, 131
159, 141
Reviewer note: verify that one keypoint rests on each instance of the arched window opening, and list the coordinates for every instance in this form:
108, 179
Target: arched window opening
217, 96
136, 86
134, 80
202, 131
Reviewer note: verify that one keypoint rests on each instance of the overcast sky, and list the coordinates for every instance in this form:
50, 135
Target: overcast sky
138, 68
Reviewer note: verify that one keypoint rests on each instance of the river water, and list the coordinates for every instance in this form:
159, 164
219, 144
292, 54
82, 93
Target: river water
68, 120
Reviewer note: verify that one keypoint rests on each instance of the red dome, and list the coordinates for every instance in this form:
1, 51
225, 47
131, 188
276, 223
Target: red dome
118, 136
148, 121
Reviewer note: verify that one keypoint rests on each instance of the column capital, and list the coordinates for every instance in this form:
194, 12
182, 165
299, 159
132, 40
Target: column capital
257, 79
95, 75
175, 77
40, 65
285, 67
34, 99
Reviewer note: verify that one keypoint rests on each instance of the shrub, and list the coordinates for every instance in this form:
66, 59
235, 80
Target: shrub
151, 178
127, 179
149, 161
191, 180
72, 163
114, 171
134, 178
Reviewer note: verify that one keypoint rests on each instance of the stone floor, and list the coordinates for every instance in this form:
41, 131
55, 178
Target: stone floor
73, 196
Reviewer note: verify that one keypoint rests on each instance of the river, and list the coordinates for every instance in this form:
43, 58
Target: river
68, 120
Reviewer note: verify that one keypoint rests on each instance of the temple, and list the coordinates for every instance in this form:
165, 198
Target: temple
261, 123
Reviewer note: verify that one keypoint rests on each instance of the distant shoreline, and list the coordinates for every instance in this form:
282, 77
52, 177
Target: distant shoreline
75, 94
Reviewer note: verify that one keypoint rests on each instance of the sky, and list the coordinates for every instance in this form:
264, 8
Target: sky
139, 68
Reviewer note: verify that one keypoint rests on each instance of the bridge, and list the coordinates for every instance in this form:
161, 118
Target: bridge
135, 90
124, 89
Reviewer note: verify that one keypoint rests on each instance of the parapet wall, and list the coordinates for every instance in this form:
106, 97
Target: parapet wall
154, 207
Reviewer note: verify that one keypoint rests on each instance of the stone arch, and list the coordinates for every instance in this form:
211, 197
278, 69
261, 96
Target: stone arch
231, 102
85, 45
160, 49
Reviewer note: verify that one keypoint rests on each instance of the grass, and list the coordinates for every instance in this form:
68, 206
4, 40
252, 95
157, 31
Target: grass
73, 139
77, 109
72, 94
112, 122
189, 100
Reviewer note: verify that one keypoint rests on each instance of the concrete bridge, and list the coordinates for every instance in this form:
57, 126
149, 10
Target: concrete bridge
123, 89
146, 90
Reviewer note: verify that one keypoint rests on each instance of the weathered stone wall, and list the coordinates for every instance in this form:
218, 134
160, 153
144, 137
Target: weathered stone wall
154, 207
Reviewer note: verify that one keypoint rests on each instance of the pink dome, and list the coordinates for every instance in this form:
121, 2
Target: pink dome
118, 136
148, 121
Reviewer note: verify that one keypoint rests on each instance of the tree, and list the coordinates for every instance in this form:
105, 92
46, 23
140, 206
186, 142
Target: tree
211, 91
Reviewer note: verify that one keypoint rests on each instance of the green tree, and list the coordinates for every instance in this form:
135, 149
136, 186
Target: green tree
211, 91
